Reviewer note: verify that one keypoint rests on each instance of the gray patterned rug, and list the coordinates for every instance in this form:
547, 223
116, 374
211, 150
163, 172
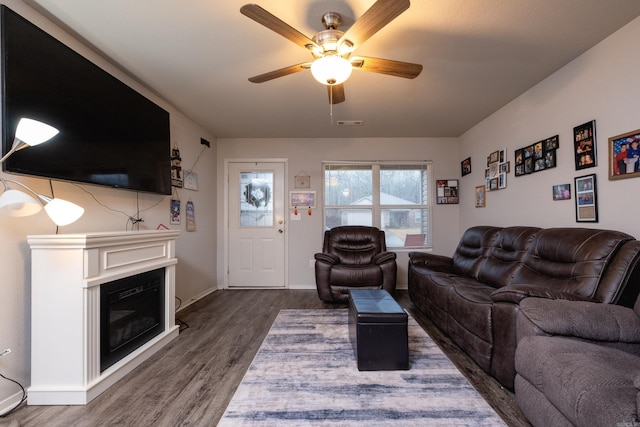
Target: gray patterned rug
305, 374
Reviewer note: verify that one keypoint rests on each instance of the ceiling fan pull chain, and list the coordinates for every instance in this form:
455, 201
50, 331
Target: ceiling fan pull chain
331, 104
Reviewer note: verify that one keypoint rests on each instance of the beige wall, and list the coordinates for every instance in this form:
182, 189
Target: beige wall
196, 251
602, 85
305, 236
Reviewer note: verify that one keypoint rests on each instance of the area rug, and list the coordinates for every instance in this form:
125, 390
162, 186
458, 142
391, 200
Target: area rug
305, 374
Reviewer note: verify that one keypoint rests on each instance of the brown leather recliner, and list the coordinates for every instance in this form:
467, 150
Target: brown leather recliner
354, 257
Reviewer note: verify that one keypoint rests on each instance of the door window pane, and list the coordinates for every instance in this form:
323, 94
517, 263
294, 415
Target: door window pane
256, 201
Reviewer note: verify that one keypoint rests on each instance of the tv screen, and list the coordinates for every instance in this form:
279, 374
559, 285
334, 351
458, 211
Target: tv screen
109, 134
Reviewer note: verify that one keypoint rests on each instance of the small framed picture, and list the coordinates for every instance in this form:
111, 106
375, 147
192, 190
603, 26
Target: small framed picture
584, 145
190, 180
624, 155
586, 198
480, 196
302, 181
562, 192
306, 199
446, 191
465, 166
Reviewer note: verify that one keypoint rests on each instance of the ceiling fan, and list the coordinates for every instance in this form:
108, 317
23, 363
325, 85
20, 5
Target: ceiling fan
332, 48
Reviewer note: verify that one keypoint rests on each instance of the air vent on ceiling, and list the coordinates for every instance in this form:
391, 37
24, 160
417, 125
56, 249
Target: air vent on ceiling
349, 122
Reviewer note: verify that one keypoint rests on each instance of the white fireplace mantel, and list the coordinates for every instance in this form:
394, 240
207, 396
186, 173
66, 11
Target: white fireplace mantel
66, 273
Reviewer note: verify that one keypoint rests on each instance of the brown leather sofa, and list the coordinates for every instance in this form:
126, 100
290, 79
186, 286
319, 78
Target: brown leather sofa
474, 295
354, 257
578, 363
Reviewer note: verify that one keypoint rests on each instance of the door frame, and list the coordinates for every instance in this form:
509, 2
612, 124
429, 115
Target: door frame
227, 162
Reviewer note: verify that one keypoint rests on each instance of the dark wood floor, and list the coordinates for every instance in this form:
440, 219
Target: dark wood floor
191, 381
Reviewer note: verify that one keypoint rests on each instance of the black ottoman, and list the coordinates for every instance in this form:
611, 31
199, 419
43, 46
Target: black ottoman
378, 330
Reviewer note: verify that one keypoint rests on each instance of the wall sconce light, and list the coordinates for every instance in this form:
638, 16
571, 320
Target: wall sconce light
17, 203
29, 133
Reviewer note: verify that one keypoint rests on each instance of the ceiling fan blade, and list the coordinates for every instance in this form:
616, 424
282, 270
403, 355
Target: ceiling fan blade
280, 73
407, 70
377, 16
274, 23
336, 93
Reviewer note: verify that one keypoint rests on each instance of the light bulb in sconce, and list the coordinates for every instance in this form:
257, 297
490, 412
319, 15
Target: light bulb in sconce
17, 204
62, 212
30, 133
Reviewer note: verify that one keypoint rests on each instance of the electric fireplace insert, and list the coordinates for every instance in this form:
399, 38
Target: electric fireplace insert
131, 314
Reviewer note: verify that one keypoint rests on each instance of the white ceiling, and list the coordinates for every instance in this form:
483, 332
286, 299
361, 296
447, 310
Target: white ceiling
477, 55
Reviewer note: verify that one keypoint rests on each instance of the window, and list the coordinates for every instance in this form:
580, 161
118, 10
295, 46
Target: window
391, 196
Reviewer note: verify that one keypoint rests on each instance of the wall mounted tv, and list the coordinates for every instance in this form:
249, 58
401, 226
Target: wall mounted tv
109, 134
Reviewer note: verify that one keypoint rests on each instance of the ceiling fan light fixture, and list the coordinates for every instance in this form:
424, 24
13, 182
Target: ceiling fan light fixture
331, 70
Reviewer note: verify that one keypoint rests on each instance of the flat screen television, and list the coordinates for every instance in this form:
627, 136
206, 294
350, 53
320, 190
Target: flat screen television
110, 134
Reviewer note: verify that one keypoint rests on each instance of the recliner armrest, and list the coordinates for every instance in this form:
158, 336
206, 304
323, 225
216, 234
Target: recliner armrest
516, 293
328, 258
383, 257
580, 319
430, 260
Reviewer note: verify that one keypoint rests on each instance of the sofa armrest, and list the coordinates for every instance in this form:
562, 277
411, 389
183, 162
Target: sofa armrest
383, 257
430, 260
516, 293
327, 258
580, 319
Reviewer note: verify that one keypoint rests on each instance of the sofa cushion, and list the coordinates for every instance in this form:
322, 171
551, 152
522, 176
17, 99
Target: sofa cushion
354, 244
503, 259
571, 260
472, 249
355, 275
589, 384
475, 301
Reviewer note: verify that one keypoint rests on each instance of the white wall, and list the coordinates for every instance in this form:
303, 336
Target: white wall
602, 84
305, 236
196, 251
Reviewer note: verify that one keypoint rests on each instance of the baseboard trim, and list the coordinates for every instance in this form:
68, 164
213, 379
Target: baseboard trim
196, 298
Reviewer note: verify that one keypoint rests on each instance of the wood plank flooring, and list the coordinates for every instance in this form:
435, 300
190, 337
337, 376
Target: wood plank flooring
191, 381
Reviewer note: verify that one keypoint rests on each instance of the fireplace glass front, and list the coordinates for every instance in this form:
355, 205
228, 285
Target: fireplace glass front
131, 314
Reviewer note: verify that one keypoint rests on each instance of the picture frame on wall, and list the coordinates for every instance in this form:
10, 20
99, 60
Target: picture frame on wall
586, 198
584, 145
447, 191
306, 199
561, 192
480, 196
465, 166
536, 157
624, 155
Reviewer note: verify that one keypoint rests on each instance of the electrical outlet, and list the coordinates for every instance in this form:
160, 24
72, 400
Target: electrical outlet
312, 263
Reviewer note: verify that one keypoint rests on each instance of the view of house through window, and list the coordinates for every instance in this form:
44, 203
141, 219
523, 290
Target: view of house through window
390, 196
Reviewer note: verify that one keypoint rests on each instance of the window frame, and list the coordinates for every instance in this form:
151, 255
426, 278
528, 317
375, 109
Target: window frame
375, 207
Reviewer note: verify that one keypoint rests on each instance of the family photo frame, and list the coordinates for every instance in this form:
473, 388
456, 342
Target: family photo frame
584, 145
624, 155
586, 198
536, 157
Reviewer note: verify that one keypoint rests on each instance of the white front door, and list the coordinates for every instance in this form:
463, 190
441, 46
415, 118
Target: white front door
256, 213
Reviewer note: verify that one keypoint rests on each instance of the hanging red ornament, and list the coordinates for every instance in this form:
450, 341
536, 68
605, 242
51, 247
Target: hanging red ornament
309, 211
295, 211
